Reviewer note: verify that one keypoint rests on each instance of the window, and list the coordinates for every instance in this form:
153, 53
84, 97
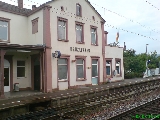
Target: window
78, 10
20, 68
108, 68
62, 69
93, 18
79, 33
62, 8
62, 29
4, 29
94, 40
35, 26
80, 68
118, 67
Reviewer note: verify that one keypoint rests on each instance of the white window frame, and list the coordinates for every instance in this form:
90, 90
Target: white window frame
64, 26
80, 29
67, 69
118, 64
108, 64
24, 67
83, 68
97, 67
95, 31
7, 29
78, 12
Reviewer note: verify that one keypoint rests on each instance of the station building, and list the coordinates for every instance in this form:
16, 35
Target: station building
29, 40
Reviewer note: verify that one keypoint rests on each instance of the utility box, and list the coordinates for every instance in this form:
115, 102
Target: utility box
16, 86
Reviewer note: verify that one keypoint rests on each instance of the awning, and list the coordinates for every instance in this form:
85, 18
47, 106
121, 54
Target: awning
20, 47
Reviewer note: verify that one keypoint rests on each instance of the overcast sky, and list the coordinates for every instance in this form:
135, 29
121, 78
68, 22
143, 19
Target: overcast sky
140, 11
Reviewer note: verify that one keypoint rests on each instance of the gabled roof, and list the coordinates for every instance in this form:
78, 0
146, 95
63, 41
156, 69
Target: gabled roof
26, 12
13, 9
95, 10
90, 6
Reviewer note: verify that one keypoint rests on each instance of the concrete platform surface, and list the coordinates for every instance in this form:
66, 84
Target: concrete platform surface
24, 97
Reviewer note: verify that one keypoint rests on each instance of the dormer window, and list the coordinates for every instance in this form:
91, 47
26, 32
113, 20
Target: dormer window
78, 10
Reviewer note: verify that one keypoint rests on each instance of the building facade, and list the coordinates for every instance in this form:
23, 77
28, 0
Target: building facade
29, 39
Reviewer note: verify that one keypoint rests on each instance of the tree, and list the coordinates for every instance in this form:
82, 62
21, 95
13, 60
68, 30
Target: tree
153, 60
135, 65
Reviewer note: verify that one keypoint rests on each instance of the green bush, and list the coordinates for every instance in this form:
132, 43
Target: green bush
133, 75
129, 75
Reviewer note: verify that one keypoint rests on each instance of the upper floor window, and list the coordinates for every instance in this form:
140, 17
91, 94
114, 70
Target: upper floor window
79, 33
94, 37
62, 29
78, 10
4, 29
35, 26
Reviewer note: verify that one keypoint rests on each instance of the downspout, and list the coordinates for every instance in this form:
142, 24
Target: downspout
103, 52
44, 73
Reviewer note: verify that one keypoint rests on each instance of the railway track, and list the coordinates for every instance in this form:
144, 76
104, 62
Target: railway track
94, 108
147, 110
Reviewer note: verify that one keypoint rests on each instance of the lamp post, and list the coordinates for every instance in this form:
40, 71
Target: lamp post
147, 60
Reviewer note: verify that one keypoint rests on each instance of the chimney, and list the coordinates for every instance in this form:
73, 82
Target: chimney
33, 7
124, 46
20, 3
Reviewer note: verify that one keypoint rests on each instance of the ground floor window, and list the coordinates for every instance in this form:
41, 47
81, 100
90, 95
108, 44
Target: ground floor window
20, 68
62, 69
108, 67
80, 68
118, 66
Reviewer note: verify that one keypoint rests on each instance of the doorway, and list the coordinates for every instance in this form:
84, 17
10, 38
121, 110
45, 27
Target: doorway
6, 79
94, 72
37, 75
6, 76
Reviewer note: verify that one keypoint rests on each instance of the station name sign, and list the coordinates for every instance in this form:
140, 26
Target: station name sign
79, 49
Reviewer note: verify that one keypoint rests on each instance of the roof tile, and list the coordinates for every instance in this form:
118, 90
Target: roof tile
6, 6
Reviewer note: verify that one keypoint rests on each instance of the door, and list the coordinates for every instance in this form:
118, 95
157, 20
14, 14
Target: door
6, 79
37, 75
94, 72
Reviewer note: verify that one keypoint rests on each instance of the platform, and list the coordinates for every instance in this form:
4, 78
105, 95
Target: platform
21, 98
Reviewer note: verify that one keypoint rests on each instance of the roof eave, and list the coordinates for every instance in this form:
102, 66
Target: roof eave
9, 11
38, 9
